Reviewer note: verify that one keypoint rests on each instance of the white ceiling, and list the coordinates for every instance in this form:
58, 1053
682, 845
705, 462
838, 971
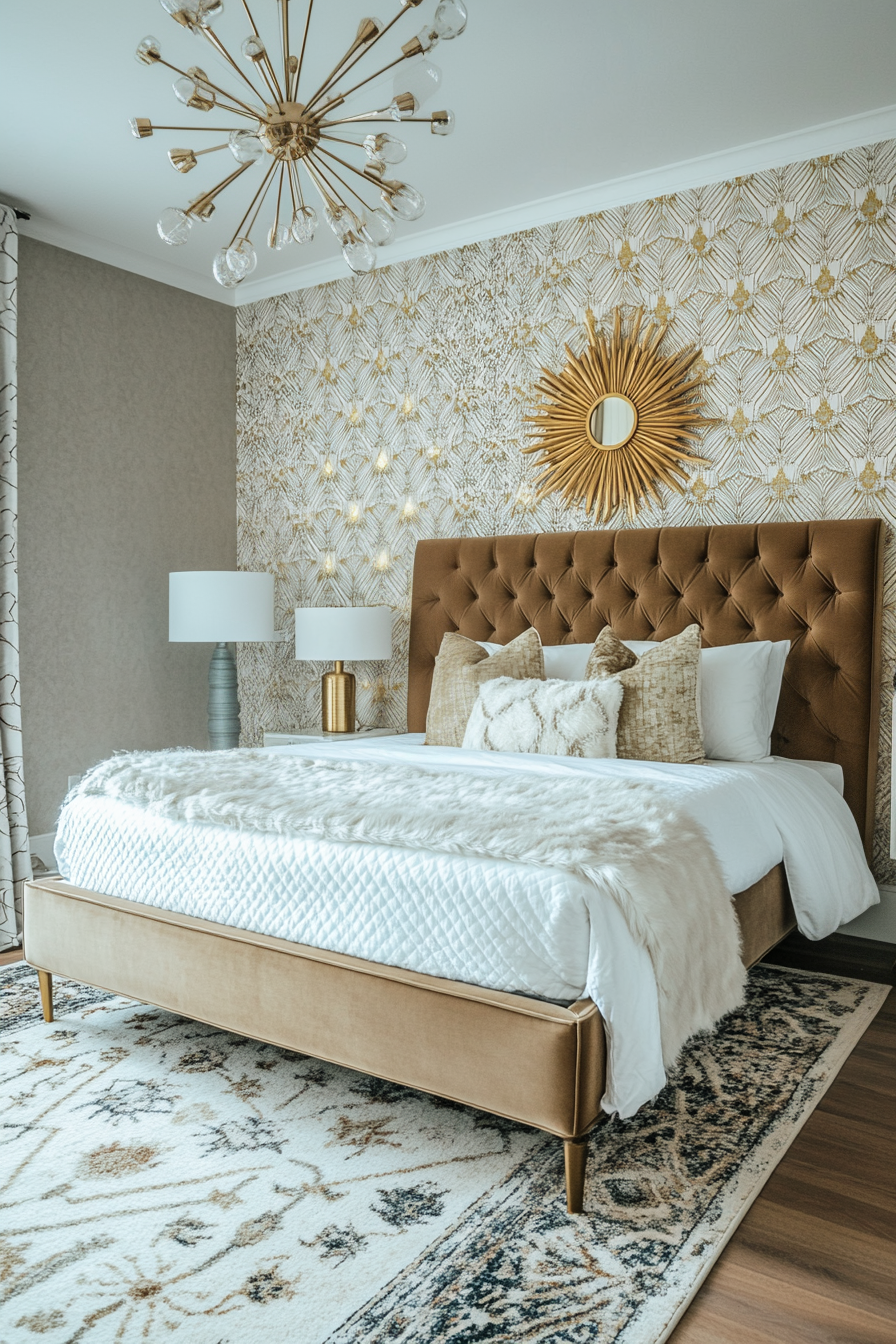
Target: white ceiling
558, 99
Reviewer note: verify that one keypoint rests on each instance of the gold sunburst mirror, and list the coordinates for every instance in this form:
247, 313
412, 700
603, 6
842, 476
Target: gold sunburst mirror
618, 421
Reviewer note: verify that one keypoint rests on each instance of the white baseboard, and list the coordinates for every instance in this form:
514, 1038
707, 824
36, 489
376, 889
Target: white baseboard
879, 922
42, 848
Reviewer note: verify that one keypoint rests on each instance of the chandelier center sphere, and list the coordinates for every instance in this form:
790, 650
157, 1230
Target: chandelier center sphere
287, 133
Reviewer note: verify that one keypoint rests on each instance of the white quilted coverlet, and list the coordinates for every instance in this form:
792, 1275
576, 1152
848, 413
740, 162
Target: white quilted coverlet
505, 925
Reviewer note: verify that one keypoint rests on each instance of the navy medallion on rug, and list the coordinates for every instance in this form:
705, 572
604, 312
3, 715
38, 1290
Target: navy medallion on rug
161, 1179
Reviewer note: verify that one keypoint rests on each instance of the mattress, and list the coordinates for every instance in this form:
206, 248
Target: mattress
504, 925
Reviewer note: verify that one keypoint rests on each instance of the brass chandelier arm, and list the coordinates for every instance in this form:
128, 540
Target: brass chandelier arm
215, 130
332, 171
336, 102
320, 185
290, 171
298, 74
275, 87
294, 171
261, 192
284, 7
238, 112
405, 9
247, 108
359, 116
213, 149
220, 48
330, 155
337, 140
374, 116
279, 195
263, 65
327, 174
335, 73
208, 196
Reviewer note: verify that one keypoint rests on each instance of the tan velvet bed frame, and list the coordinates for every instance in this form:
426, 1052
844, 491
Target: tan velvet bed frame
817, 584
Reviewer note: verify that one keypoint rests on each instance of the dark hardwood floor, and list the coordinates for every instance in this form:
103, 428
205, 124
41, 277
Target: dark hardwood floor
814, 1260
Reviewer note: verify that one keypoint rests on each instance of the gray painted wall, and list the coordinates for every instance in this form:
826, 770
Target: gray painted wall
127, 469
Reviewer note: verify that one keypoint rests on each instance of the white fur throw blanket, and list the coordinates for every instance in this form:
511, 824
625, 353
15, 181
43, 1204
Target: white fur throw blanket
628, 841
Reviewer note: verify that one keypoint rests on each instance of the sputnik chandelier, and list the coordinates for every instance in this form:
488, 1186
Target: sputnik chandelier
283, 134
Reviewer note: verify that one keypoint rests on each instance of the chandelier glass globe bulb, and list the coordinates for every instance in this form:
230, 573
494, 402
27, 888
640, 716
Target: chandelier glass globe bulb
148, 51
174, 226
384, 147
450, 19
242, 258
189, 8
222, 272
279, 236
421, 79
359, 254
304, 224
253, 49
208, 11
340, 221
404, 201
428, 37
379, 228
245, 146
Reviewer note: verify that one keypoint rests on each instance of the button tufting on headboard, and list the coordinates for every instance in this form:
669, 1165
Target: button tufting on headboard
743, 581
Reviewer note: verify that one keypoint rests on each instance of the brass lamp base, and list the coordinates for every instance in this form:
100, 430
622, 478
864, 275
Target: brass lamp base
337, 701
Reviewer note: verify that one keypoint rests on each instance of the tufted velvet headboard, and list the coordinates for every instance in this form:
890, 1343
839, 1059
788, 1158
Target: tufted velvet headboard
817, 584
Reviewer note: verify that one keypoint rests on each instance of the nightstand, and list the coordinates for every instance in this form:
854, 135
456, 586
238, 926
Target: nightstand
291, 739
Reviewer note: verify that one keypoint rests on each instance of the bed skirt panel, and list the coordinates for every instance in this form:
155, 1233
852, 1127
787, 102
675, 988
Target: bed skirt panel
521, 1058
535, 1062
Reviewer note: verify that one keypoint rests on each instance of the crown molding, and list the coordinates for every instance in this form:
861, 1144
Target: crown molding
126, 259
830, 137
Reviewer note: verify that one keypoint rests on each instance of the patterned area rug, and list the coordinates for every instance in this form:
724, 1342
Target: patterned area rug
161, 1179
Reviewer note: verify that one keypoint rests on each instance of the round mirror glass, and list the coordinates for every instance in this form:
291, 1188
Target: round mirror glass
612, 421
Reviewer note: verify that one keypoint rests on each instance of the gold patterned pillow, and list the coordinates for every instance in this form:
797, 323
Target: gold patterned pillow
660, 715
461, 667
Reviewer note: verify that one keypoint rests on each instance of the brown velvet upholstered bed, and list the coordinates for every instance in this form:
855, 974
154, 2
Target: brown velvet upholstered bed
816, 584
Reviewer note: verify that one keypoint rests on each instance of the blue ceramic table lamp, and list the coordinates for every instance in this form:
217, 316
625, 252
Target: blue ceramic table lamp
221, 606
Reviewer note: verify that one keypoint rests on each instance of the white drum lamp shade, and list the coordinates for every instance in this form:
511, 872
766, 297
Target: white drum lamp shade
220, 606
343, 634
214, 606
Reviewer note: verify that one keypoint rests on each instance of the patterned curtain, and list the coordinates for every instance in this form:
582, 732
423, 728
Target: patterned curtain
15, 858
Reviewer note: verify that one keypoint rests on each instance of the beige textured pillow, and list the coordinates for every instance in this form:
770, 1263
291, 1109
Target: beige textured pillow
660, 715
546, 718
461, 667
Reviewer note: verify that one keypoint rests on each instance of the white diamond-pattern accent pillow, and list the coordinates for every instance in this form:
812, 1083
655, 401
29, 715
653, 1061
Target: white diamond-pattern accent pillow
546, 718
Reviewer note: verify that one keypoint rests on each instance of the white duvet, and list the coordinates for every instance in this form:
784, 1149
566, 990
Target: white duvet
505, 925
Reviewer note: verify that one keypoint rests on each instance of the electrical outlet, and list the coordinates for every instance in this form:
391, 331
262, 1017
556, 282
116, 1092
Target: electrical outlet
72, 781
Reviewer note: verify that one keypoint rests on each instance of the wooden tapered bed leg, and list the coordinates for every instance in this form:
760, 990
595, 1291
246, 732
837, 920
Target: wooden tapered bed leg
45, 980
575, 1155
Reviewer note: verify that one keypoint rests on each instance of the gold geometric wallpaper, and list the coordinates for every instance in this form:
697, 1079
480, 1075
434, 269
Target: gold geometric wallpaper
376, 410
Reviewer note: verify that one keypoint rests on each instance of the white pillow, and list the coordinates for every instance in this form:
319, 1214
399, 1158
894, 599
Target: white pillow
562, 662
739, 689
776, 660
547, 718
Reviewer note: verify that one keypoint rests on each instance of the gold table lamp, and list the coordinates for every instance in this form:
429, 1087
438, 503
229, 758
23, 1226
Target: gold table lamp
341, 634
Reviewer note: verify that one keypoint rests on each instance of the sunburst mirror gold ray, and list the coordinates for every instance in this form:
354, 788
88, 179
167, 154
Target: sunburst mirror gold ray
619, 421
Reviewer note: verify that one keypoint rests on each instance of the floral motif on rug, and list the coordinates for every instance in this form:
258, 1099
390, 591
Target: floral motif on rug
162, 1178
